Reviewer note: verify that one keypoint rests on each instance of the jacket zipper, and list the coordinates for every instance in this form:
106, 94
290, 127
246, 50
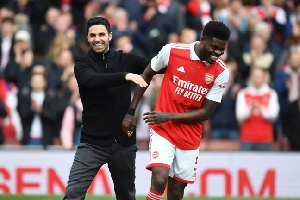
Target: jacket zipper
105, 62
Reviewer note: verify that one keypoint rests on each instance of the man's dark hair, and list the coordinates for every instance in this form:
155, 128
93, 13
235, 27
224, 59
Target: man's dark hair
216, 29
98, 21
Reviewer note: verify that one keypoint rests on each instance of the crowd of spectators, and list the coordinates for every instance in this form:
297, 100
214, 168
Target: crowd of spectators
41, 40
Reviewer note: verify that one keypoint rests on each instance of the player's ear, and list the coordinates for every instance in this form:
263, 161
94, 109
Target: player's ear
110, 36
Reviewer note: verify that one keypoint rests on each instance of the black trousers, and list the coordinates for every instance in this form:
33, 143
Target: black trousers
89, 159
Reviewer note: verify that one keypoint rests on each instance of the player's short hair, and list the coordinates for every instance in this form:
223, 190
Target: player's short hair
98, 21
216, 29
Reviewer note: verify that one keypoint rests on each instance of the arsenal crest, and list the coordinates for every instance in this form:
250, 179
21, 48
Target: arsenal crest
208, 78
155, 154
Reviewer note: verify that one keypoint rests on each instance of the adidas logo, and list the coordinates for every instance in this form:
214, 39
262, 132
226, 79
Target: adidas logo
181, 69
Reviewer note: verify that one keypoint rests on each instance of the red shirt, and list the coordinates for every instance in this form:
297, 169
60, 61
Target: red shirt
187, 82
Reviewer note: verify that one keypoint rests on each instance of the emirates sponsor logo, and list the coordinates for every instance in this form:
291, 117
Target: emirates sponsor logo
155, 154
188, 85
208, 78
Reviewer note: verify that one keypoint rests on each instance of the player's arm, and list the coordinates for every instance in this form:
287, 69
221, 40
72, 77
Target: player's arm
194, 116
128, 121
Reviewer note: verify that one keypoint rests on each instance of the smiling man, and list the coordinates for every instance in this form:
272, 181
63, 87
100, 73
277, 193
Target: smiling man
104, 79
192, 88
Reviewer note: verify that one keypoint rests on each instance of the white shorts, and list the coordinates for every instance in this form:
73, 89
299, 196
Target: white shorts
182, 163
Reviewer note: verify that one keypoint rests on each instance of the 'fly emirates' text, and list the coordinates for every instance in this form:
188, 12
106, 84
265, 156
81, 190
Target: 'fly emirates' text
188, 89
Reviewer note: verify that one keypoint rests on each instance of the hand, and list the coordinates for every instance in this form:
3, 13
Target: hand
27, 59
35, 107
128, 124
137, 79
256, 109
154, 117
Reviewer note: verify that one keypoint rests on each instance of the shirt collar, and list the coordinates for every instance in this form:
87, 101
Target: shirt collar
193, 54
98, 55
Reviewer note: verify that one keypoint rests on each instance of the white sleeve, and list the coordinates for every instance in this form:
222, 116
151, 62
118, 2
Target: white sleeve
216, 92
161, 60
280, 16
242, 111
271, 112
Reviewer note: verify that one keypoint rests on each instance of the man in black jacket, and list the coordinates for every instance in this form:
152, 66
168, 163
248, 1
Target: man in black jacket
104, 79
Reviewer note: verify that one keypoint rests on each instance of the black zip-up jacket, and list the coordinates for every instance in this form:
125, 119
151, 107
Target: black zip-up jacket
106, 95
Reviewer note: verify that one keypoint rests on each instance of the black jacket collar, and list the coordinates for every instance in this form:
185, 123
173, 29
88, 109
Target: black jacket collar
96, 55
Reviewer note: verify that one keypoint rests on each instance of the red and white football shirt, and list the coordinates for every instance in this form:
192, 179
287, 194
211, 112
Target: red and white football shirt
187, 81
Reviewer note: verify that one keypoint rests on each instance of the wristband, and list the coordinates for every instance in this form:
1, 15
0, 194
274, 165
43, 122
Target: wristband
131, 111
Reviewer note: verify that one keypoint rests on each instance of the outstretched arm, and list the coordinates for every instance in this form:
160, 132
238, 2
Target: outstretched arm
194, 116
128, 121
87, 77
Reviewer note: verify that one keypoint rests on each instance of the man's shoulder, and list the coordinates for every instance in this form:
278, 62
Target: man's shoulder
83, 59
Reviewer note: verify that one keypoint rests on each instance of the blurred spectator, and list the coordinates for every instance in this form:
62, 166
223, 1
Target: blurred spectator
120, 25
76, 7
188, 35
58, 44
264, 30
289, 8
257, 107
6, 13
291, 125
71, 121
123, 42
18, 70
46, 32
227, 127
134, 9
63, 25
274, 15
198, 13
292, 42
63, 59
37, 108
155, 29
11, 124
60, 56
287, 87
293, 85
236, 19
58, 74
28, 14
282, 85
172, 8
258, 57
282, 81
218, 7
296, 11
8, 29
